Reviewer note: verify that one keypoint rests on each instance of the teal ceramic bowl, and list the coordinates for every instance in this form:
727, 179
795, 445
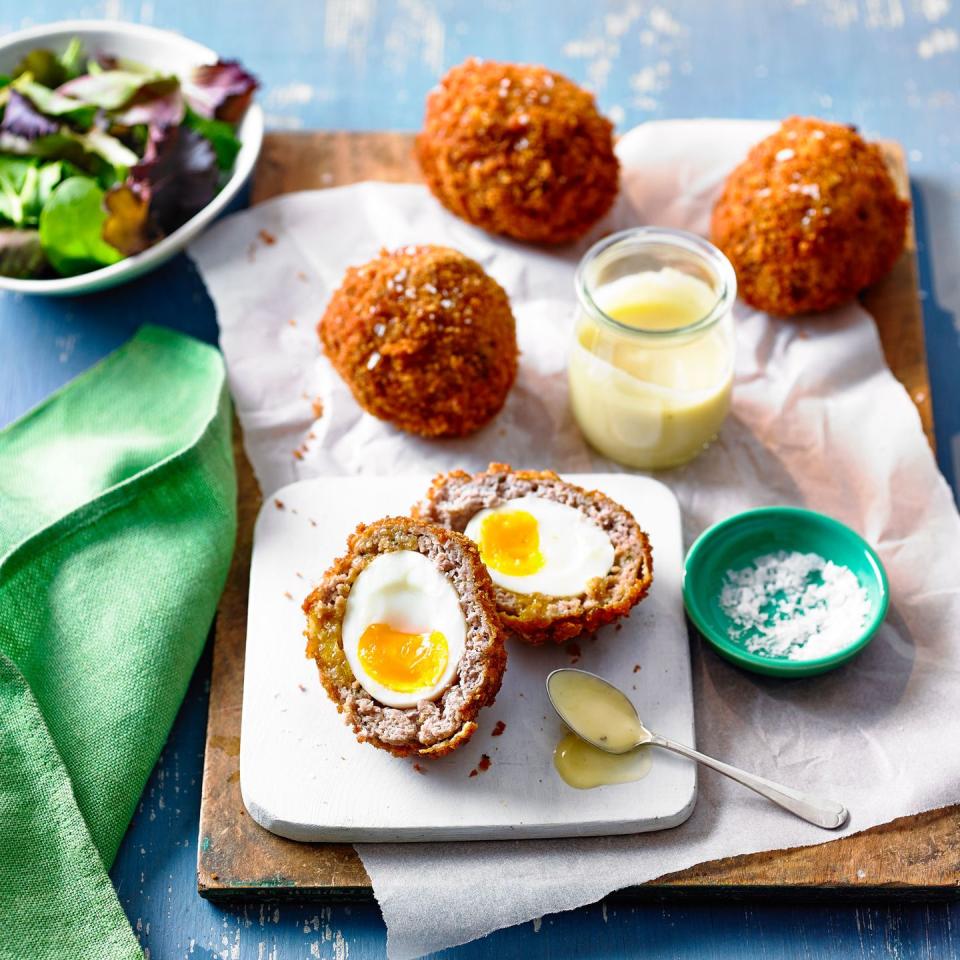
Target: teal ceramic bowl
736, 542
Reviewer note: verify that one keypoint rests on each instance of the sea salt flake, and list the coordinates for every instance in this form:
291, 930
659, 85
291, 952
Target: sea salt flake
794, 605
807, 189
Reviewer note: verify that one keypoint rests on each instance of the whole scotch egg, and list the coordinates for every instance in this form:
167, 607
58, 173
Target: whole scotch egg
810, 218
519, 150
406, 638
424, 339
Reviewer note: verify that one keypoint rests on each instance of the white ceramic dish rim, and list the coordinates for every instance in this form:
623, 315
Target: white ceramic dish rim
251, 138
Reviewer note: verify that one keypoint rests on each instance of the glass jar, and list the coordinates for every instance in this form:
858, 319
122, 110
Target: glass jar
651, 366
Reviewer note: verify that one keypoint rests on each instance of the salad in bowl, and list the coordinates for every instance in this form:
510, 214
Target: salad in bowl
105, 157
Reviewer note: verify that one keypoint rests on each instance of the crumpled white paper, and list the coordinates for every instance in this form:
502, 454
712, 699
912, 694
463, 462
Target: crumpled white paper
818, 420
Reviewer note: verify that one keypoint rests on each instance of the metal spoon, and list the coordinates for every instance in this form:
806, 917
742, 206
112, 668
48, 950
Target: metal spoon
816, 810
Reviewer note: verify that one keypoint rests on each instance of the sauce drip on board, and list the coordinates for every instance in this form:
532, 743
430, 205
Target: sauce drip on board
582, 765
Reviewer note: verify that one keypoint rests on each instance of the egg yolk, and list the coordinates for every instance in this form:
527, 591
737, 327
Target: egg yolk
404, 662
510, 543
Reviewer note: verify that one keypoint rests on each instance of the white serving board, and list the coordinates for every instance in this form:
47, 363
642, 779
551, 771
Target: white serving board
304, 776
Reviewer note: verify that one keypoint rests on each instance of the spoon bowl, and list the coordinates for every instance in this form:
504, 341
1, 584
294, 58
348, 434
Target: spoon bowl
596, 711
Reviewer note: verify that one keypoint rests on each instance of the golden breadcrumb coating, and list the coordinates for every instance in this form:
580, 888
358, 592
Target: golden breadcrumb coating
432, 728
810, 218
518, 150
424, 339
454, 498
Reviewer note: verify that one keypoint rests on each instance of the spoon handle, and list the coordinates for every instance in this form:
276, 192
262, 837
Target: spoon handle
822, 813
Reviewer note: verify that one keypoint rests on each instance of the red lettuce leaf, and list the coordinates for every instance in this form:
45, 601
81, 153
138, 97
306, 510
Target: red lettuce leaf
166, 110
22, 119
221, 90
179, 168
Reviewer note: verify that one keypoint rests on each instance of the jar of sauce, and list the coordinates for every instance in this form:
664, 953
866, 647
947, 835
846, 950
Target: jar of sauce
651, 366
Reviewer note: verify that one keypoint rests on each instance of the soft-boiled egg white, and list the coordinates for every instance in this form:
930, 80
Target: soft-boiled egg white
532, 545
403, 630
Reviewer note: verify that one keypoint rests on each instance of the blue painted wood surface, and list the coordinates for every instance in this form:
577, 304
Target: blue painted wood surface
891, 66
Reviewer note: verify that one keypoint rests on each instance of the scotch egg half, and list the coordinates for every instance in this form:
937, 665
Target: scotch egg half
405, 633
403, 629
564, 560
533, 545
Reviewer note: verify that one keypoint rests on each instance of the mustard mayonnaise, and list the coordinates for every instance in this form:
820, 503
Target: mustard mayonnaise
651, 366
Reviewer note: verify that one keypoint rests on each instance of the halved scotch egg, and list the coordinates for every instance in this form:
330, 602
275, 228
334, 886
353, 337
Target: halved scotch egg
563, 560
406, 638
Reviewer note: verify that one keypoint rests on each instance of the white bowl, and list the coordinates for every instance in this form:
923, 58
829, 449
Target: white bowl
161, 49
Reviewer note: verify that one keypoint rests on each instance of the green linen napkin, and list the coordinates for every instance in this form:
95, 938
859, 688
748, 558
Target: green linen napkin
117, 522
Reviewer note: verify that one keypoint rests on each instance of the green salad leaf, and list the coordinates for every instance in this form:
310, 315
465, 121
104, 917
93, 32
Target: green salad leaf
224, 141
14, 169
71, 228
40, 184
114, 151
26, 184
56, 146
43, 66
133, 66
11, 206
113, 89
99, 154
72, 59
53, 104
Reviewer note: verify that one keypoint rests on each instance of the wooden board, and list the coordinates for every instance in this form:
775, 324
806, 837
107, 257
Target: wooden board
913, 856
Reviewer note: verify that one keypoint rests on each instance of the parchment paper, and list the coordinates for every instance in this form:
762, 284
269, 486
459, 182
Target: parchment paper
818, 420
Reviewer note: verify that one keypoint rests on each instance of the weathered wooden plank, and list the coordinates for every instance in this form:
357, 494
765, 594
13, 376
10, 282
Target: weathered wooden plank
913, 856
